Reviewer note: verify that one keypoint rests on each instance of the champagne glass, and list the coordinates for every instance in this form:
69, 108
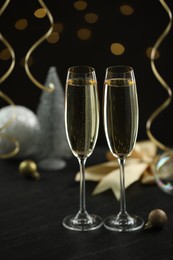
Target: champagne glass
121, 116
82, 125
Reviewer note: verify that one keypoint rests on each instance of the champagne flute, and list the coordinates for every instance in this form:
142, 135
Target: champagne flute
82, 125
121, 116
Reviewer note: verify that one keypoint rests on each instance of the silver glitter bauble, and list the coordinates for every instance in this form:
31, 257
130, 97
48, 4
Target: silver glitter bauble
25, 128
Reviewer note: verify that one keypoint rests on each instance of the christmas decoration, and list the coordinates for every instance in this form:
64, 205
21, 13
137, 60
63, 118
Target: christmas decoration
25, 129
4, 97
28, 169
49, 87
161, 80
163, 171
157, 219
137, 168
52, 141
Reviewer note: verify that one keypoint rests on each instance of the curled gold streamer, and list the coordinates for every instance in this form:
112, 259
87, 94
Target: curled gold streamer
10, 49
161, 80
6, 125
10, 102
4, 6
51, 87
5, 97
14, 151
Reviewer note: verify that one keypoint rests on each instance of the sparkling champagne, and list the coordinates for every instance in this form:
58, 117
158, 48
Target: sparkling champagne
121, 115
82, 115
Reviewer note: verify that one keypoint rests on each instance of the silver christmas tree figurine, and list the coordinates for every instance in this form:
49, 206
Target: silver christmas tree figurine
52, 141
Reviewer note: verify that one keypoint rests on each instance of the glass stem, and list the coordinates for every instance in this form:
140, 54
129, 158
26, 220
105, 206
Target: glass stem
82, 162
121, 162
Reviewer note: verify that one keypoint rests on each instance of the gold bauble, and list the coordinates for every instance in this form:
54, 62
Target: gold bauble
157, 219
28, 168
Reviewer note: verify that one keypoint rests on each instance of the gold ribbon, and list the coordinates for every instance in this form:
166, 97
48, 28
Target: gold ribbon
137, 167
161, 80
10, 102
14, 151
4, 6
51, 86
5, 97
10, 49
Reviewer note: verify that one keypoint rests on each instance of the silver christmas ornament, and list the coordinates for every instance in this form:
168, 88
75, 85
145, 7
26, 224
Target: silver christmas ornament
25, 128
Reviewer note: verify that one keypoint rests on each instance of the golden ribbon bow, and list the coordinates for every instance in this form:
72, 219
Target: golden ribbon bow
137, 167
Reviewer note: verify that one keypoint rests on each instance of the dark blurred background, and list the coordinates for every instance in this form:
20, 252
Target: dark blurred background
95, 33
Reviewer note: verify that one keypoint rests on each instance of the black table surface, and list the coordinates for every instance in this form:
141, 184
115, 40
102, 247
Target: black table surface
31, 214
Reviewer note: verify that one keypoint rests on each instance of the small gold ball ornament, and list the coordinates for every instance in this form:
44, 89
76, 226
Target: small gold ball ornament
28, 169
157, 219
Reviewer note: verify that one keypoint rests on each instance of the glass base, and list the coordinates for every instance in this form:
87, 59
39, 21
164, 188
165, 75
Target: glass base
123, 223
82, 222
